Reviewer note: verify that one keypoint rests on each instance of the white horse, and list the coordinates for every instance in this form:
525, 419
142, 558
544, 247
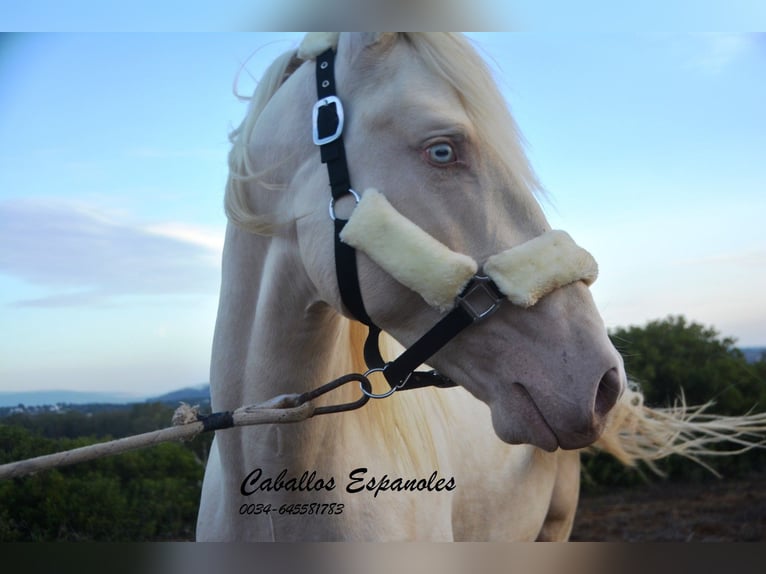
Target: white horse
493, 459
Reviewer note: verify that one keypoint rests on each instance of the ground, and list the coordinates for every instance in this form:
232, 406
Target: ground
721, 511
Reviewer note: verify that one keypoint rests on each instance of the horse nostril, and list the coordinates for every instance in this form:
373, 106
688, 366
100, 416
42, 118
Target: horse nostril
609, 390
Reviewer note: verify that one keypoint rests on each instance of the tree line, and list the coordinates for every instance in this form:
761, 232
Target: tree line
152, 494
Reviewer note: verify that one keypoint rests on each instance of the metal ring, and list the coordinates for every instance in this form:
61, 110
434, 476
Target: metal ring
390, 391
357, 199
364, 383
323, 65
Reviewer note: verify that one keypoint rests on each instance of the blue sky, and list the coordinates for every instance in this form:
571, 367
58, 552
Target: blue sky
113, 161
492, 15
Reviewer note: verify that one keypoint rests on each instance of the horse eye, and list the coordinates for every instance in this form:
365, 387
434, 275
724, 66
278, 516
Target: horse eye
441, 153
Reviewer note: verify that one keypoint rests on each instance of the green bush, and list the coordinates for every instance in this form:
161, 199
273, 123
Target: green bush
674, 357
144, 495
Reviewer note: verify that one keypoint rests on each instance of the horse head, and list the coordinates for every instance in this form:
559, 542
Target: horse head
426, 126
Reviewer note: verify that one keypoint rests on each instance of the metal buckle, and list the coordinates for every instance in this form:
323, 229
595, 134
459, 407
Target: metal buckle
486, 298
324, 102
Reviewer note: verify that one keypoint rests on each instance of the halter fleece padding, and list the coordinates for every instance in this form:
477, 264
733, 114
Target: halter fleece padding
409, 254
524, 273
533, 269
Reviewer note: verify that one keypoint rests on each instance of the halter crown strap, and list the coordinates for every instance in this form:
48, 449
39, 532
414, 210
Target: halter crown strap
328, 135
328, 120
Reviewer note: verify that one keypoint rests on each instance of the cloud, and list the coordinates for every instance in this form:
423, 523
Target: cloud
212, 240
86, 256
720, 50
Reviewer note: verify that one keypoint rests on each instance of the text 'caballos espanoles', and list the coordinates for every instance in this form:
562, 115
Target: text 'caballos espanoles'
358, 481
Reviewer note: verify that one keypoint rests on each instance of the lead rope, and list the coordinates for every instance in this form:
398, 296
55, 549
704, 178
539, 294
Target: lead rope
188, 423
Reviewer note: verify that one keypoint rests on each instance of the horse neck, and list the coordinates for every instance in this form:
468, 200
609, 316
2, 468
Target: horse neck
272, 337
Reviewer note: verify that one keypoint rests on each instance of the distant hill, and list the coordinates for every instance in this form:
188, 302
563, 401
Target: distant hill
196, 394
199, 394
54, 397
753, 354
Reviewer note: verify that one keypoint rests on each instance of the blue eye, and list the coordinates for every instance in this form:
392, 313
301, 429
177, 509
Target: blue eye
441, 154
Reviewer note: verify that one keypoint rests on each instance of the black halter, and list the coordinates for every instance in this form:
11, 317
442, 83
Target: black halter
479, 299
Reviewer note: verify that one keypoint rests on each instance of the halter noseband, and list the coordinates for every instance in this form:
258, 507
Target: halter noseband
519, 273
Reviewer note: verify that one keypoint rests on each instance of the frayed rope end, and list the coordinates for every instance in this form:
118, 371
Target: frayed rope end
185, 414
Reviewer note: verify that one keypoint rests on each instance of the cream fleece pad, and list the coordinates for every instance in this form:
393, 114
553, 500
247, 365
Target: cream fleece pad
409, 254
314, 43
533, 269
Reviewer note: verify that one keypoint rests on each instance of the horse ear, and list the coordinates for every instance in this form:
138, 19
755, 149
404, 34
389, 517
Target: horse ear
314, 43
352, 43
370, 38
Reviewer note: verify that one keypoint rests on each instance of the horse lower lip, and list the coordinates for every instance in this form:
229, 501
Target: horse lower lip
542, 435
547, 438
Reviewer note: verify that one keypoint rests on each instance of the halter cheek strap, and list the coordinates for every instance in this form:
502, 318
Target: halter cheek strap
327, 128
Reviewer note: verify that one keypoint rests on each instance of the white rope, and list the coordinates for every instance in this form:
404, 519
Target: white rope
187, 425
